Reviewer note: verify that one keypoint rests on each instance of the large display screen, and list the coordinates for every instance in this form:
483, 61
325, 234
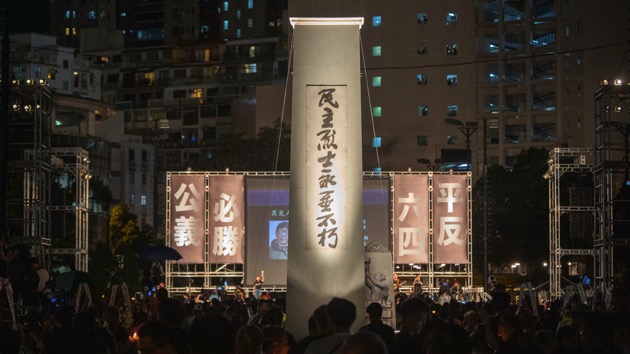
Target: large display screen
267, 224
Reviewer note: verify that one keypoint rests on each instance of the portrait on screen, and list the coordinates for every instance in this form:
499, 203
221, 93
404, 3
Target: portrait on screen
278, 239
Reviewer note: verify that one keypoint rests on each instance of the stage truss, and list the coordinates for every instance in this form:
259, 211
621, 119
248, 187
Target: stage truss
186, 277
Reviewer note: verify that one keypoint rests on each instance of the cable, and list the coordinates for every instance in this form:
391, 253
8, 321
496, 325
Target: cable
369, 97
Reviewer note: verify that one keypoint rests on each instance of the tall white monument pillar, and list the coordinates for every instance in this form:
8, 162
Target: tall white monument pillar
325, 228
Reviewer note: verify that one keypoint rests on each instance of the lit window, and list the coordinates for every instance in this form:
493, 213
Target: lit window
143, 200
197, 93
252, 51
67, 31
423, 110
423, 140
249, 68
92, 15
451, 139
422, 18
376, 51
451, 49
422, 79
226, 25
451, 80
376, 142
451, 110
132, 200
250, 4
238, 33
67, 14
238, 14
226, 6
204, 29
250, 23
423, 48
376, 111
123, 14
376, 81
376, 21
74, 31
451, 18
74, 14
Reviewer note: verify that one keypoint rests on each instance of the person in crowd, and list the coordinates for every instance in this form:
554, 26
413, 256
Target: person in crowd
276, 340
155, 337
414, 315
211, 333
376, 325
172, 312
249, 340
417, 286
111, 317
279, 247
262, 308
364, 343
341, 315
396, 283
258, 283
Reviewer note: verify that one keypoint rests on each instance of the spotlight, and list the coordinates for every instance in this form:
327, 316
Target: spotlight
15, 82
618, 82
16, 107
618, 109
30, 82
27, 108
43, 82
604, 82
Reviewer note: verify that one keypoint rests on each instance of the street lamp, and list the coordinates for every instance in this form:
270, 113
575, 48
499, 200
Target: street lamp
468, 129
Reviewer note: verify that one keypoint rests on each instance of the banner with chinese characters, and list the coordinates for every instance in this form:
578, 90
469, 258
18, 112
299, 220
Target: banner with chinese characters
226, 219
188, 217
326, 153
411, 219
450, 219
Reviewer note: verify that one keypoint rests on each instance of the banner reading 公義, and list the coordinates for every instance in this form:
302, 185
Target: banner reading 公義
187, 217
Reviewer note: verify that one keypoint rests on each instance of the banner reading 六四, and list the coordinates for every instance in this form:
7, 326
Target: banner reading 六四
227, 220
188, 217
411, 219
450, 219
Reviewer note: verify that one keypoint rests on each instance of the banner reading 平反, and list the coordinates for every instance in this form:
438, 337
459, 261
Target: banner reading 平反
450, 219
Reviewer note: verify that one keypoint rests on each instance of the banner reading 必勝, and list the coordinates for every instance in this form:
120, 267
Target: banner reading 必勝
411, 219
326, 153
187, 224
450, 219
226, 219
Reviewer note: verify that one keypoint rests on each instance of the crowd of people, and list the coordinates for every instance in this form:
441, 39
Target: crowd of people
239, 323
164, 324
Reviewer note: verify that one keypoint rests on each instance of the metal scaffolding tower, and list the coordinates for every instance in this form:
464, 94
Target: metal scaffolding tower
29, 167
612, 181
72, 166
567, 166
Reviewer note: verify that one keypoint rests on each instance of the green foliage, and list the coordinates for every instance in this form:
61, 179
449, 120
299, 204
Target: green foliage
517, 211
123, 226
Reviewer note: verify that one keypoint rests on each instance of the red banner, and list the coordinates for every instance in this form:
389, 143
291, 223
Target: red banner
411, 219
450, 219
187, 228
227, 208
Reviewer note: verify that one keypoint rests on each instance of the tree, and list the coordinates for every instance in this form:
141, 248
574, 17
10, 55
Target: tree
123, 226
517, 211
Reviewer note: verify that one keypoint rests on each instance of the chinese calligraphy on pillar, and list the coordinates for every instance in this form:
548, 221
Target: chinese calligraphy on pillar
188, 217
450, 219
326, 154
411, 219
226, 219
